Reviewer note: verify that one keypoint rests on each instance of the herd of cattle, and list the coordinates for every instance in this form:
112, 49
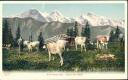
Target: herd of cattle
60, 45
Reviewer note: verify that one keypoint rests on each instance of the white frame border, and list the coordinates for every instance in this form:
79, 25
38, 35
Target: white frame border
64, 75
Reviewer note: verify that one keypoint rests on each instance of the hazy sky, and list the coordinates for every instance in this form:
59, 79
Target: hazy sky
112, 10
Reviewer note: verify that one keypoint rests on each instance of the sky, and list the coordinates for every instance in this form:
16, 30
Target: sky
111, 10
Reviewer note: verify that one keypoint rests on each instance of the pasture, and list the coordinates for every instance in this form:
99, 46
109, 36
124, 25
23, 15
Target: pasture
73, 60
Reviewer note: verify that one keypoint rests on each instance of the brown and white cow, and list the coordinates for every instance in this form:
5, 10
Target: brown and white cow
102, 41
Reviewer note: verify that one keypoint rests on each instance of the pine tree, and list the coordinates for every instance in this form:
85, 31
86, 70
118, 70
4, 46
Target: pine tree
68, 32
22, 44
117, 33
112, 36
41, 40
86, 32
11, 39
7, 34
75, 29
30, 37
18, 35
71, 32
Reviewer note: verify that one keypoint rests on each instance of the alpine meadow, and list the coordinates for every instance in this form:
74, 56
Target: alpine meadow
37, 40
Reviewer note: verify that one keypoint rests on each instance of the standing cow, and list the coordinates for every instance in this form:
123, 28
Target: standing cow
56, 48
102, 42
80, 41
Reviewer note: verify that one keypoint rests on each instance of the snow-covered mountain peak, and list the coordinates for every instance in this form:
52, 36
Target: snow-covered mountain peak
92, 18
33, 11
90, 14
45, 14
56, 13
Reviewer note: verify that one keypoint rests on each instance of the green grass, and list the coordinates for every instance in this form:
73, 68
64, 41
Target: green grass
73, 60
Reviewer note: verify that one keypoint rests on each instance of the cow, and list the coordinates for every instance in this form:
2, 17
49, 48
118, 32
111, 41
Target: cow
32, 45
80, 41
25, 43
56, 48
102, 41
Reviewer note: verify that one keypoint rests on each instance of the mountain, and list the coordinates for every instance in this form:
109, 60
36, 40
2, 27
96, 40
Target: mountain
44, 17
95, 20
57, 16
30, 25
35, 14
50, 29
54, 23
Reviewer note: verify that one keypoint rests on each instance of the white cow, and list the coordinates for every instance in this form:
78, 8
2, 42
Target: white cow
25, 43
56, 48
32, 45
80, 41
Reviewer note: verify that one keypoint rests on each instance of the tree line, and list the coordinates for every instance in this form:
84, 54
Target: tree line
86, 32
73, 32
9, 39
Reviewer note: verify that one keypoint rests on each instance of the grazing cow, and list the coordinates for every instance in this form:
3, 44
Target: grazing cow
80, 41
7, 46
25, 43
56, 48
32, 45
102, 41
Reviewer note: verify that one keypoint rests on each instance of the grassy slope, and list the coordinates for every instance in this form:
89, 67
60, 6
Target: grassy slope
73, 60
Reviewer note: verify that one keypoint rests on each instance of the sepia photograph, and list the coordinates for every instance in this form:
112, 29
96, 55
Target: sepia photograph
66, 37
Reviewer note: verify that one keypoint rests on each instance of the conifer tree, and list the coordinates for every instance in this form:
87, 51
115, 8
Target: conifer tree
86, 32
117, 33
7, 34
75, 30
41, 40
18, 35
30, 37
114, 35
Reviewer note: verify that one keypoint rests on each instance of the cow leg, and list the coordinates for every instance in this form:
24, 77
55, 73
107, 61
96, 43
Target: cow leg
81, 48
53, 57
97, 45
61, 59
84, 48
106, 45
103, 46
29, 50
49, 56
76, 46
64, 47
37, 49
